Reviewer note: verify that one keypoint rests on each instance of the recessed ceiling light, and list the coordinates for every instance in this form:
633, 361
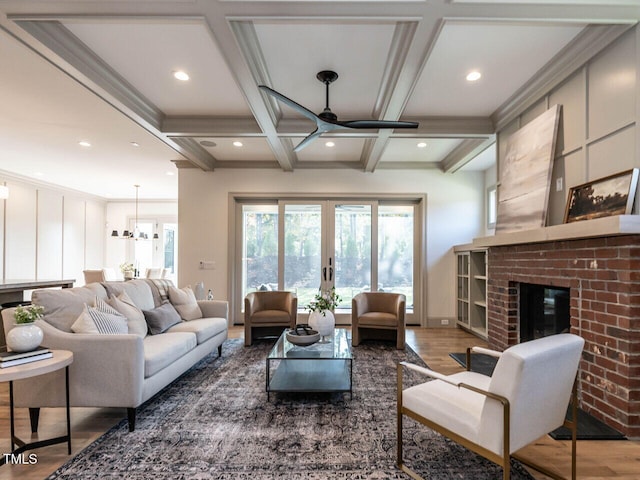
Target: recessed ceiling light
84, 143
181, 75
38, 174
169, 173
330, 144
473, 76
421, 145
208, 143
237, 144
135, 144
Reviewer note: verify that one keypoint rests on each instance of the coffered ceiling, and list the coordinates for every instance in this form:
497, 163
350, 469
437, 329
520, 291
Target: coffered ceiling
102, 71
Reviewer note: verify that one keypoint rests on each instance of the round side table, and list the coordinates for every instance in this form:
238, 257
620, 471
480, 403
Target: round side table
60, 359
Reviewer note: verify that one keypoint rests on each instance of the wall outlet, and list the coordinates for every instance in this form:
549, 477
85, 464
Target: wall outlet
444, 321
559, 184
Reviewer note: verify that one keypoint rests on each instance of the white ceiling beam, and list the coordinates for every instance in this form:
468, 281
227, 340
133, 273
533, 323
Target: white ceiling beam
391, 90
211, 127
464, 153
254, 73
196, 153
200, 126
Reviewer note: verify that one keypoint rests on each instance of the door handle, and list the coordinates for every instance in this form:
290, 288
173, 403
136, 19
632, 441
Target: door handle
324, 273
330, 274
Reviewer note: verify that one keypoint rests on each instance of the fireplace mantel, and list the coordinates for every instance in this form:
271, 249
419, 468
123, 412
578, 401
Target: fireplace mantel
598, 227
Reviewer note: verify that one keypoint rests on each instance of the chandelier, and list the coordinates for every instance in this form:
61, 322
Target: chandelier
135, 234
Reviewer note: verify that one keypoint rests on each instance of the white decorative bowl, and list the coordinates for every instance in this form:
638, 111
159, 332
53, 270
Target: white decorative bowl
303, 340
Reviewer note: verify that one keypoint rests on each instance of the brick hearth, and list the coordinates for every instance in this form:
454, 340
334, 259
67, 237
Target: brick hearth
603, 275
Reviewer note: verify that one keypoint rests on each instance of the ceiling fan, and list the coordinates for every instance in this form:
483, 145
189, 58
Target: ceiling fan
327, 121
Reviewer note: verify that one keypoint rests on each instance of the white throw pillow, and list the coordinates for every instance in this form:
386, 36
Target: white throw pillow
184, 300
135, 318
101, 319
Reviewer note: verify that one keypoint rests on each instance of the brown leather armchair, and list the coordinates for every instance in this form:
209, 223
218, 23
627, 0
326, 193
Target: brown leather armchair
376, 311
270, 312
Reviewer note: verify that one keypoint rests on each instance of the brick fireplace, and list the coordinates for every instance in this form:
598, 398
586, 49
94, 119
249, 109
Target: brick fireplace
603, 278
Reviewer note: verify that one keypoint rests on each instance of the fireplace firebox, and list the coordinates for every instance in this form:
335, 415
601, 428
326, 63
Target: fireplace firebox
543, 311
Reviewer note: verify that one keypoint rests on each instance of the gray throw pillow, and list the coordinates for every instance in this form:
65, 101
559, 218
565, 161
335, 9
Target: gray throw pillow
162, 318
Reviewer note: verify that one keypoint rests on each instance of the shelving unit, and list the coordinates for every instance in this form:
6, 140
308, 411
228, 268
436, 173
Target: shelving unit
471, 279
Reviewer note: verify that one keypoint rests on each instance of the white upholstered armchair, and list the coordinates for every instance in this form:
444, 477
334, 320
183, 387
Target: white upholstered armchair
524, 399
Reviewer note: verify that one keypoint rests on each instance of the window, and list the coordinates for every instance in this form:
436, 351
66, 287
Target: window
492, 206
354, 245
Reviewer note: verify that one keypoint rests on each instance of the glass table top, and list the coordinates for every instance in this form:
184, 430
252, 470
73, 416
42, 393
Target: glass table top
337, 347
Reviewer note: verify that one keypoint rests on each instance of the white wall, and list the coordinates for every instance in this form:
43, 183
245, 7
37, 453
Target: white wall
49, 233
454, 215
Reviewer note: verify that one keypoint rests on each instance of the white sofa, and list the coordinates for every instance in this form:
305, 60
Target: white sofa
110, 370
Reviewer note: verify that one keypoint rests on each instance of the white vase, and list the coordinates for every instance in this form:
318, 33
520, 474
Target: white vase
24, 337
323, 324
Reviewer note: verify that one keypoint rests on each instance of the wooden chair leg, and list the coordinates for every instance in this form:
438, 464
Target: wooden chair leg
247, 335
355, 336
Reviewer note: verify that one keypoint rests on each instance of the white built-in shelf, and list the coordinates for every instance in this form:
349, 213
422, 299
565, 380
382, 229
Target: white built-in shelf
480, 277
480, 304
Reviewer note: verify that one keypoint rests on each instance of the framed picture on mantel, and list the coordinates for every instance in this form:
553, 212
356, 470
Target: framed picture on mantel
612, 195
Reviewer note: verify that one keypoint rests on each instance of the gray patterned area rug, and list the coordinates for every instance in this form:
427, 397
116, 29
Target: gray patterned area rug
215, 422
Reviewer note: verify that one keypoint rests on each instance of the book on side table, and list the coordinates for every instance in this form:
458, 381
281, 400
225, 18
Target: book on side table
10, 359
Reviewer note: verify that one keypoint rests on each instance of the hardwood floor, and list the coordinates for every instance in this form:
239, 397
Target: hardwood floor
597, 460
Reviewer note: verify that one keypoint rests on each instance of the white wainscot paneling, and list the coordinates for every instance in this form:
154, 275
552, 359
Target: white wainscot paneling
20, 253
534, 111
95, 235
49, 235
73, 247
614, 154
612, 87
572, 125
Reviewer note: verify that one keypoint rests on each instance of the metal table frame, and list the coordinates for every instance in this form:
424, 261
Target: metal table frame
321, 367
23, 446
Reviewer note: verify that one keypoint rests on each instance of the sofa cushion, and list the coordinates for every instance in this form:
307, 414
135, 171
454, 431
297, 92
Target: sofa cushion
161, 351
138, 290
184, 300
101, 319
63, 307
204, 328
135, 318
162, 318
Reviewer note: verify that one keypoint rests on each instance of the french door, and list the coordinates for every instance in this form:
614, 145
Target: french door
309, 245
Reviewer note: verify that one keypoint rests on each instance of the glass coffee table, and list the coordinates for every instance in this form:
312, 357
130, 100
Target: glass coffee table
321, 367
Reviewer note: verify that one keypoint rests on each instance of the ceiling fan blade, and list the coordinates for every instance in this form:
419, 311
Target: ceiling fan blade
378, 124
290, 103
310, 138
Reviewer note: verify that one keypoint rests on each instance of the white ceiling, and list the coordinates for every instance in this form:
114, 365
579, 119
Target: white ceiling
102, 72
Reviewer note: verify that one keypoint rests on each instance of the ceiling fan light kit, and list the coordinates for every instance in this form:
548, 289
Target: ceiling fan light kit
327, 121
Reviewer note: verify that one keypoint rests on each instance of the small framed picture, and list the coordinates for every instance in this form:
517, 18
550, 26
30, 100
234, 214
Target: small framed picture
612, 195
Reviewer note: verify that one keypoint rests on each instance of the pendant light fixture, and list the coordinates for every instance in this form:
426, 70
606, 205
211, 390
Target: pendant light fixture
136, 234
